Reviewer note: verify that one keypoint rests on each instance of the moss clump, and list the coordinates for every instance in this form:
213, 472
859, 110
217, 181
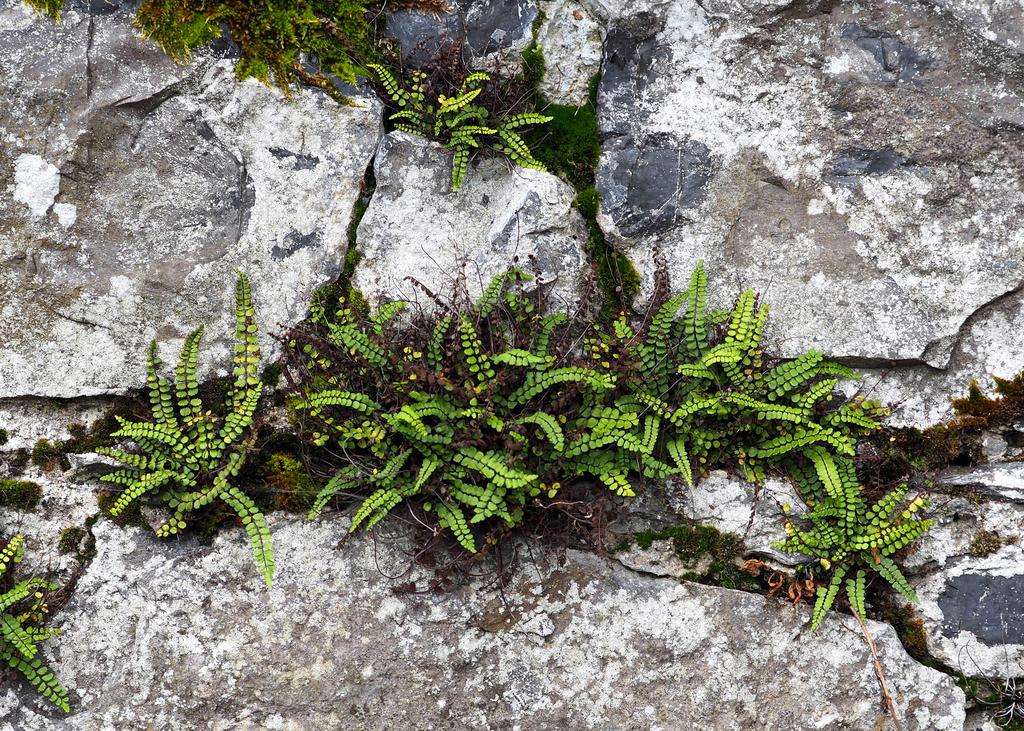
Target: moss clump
985, 543
1005, 407
533, 64
693, 543
129, 517
271, 36
71, 539
895, 453
288, 479
20, 494
617, 278
50, 7
4, 437
47, 455
568, 145
909, 628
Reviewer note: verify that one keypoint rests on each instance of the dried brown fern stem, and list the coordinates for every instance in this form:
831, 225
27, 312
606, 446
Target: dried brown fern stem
886, 696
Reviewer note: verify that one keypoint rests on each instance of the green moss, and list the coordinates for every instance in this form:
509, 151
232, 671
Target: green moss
617, 277
47, 455
289, 481
71, 539
693, 543
129, 517
985, 543
533, 64
4, 437
909, 628
271, 36
271, 375
568, 145
20, 494
52, 8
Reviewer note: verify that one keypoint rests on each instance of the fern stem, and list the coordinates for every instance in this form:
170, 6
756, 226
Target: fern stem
889, 704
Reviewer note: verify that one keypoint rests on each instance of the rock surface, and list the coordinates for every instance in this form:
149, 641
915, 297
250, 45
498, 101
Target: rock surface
416, 226
497, 33
574, 643
572, 42
970, 572
732, 505
860, 165
127, 199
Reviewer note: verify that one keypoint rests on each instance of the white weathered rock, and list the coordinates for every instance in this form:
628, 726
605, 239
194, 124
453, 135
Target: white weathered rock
66, 503
416, 226
756, 515
998, 21
860, 168
969, 572
990, 344
127, 199
572, 40
179, 635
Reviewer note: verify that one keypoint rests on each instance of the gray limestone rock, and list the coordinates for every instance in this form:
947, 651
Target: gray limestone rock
180, 635
969, 571
416, 226
127, 199
858, 164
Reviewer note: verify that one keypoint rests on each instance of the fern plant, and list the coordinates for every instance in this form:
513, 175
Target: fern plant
22, 630
466, 421
458, 121
187, 455
706, 383
846, 535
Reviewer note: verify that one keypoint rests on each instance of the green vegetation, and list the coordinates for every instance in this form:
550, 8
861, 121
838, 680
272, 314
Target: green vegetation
698, 543
704, 378
48, 455
288, 479
462, 125
21, 630
845, 534
985, 543
453, 419
473, 417
188, 455
50, 7
272, 35
71, 539
20, 494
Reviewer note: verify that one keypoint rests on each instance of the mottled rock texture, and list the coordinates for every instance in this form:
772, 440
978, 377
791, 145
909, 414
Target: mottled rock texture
575, 642
755, 514
970, 572
859, 164
127, 198
416, 226
572, 40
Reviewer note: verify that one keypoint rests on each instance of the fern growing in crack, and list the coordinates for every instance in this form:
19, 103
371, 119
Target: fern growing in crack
459, 121
188, 456
22, 611
846, 535
464, 423
718, 401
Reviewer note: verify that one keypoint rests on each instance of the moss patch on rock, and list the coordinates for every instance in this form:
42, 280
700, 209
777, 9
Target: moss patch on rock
985, 543
692, 544
20, 494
